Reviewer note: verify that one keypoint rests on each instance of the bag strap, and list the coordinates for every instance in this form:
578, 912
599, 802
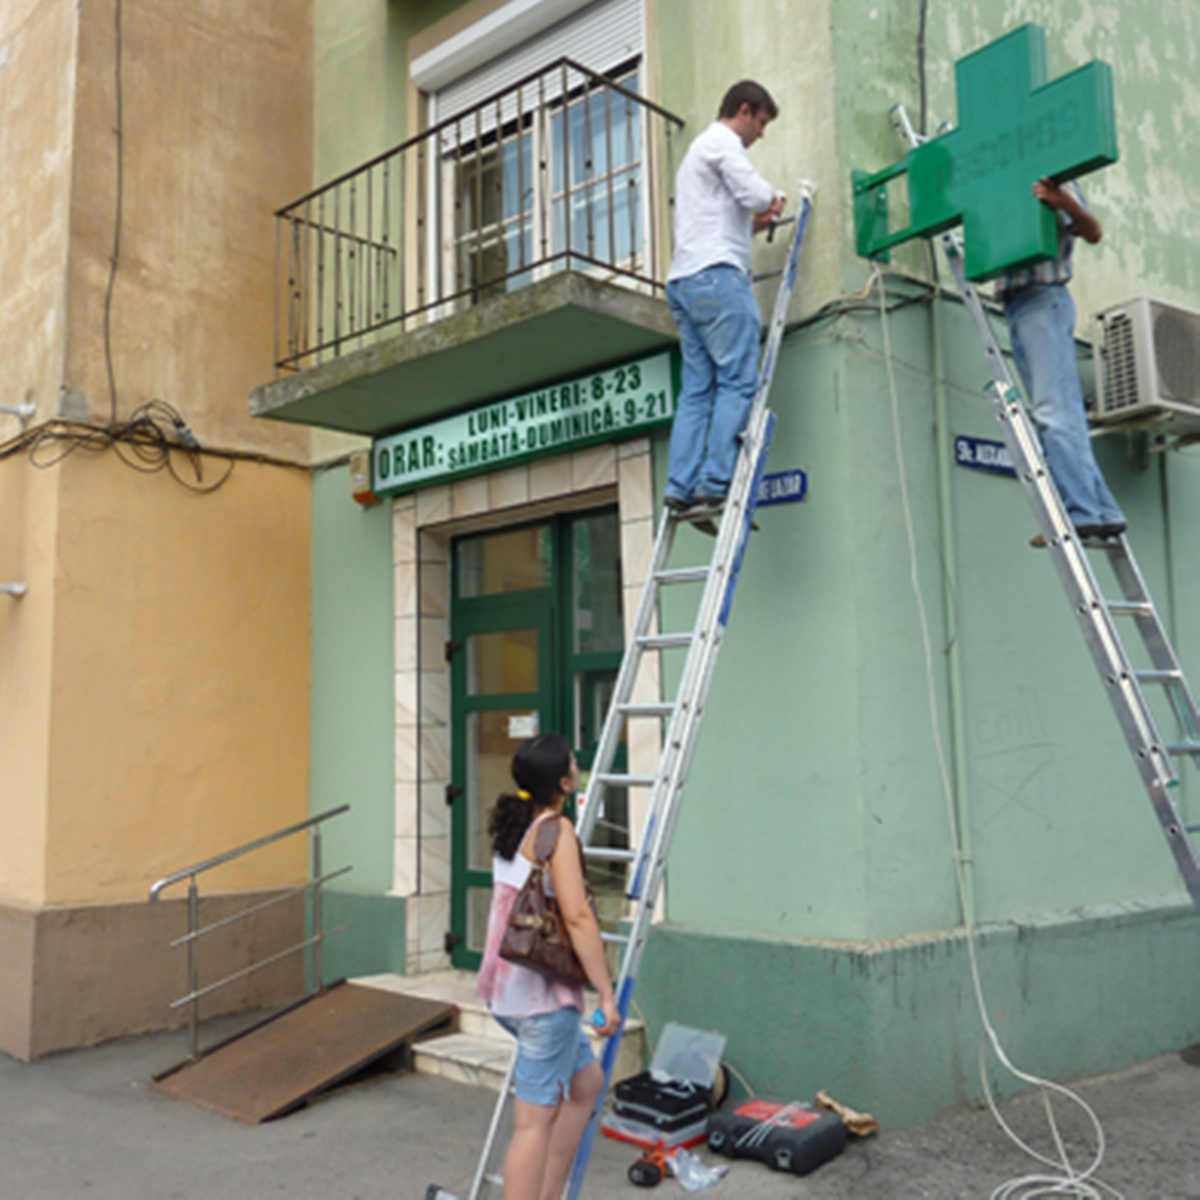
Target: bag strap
545, 840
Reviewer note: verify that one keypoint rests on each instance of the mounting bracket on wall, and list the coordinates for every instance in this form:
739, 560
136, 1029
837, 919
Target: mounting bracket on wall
14, 589
24, 411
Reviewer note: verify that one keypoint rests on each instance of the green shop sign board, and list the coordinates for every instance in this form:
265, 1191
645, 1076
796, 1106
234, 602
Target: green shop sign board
602, 406
1013, 129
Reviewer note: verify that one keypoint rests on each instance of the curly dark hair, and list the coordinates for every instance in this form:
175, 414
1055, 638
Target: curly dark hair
537, 767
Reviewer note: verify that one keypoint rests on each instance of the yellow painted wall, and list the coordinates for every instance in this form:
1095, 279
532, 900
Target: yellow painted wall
37, 78
217, 123
27, 522
154, 681
37, 53
179, 721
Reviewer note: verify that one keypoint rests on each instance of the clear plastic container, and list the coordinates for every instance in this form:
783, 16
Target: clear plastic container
691, 1054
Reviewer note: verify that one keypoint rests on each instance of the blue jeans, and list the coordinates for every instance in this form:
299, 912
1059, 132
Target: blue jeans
551, 1050
1041, 323
718, 333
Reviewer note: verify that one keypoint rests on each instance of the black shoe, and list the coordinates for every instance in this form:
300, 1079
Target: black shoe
676, 504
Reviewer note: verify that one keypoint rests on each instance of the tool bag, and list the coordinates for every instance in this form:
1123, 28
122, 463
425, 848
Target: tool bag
787, 1137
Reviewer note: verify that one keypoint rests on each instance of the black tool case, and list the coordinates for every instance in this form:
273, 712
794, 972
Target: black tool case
667, 1104
787, 1137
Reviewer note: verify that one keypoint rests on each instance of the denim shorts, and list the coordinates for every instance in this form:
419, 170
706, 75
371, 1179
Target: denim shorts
551, 1048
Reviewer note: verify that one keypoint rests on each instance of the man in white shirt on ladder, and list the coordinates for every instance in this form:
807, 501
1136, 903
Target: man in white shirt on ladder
721, 201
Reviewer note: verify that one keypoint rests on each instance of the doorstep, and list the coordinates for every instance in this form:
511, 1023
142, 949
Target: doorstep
479, 1051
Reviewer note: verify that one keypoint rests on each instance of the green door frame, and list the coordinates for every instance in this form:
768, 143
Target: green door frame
550, 612
483, 615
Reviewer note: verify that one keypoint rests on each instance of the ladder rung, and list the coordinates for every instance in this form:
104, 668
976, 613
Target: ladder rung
609, 854
494, 1180
1158, 676
682, 574
1184, 748
664, 641
616, 780
1131, 608
1191, 828
618, 938
647, 710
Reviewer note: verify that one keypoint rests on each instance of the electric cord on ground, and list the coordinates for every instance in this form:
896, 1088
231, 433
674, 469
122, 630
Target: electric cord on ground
1073, 1182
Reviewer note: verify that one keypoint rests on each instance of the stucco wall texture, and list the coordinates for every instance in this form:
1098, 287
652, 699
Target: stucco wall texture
1142, 200
154, 679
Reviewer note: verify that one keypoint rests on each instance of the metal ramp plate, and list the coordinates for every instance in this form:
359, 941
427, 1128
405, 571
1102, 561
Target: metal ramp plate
275, 1067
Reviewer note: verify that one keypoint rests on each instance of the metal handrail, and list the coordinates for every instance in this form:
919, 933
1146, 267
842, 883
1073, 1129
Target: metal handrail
482, 202
233, 918
238, 851
560, 62
192, 996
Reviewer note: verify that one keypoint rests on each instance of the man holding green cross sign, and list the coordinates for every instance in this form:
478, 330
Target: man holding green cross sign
1041, 324
1003, 173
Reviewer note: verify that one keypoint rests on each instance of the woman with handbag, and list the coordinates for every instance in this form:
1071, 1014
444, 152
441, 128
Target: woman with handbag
543, 941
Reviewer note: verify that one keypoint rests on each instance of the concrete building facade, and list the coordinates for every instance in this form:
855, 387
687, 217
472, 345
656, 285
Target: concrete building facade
811, 909
154, 676
475, 229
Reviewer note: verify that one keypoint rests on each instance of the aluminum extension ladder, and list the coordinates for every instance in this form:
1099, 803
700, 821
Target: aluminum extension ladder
1123, 683
647, 860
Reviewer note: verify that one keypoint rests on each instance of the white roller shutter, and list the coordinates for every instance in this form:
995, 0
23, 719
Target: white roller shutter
601, 36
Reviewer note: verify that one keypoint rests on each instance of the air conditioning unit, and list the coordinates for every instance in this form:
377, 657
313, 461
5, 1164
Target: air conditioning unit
1149, 367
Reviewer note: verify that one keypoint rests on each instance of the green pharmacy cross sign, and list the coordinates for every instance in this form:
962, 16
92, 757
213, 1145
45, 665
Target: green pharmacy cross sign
1013, 129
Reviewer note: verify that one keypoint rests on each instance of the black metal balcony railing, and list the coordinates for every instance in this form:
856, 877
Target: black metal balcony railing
560, 171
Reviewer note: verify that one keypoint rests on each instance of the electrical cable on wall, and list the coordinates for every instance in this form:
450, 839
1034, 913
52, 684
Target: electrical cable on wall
155, 431
146, 442
1073, 1182
119, 133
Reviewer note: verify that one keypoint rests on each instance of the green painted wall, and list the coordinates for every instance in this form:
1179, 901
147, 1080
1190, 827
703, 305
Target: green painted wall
1151, 245
812, 909
892, 1027
815, 823
787, 45
353, 722
815, 796
373, 941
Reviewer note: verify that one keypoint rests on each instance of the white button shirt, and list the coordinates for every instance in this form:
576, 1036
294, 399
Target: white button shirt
717, 193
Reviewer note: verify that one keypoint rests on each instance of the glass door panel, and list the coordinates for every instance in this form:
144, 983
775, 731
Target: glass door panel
501, 694
537, 627
492, 738
506, 661
513, 560
596, 618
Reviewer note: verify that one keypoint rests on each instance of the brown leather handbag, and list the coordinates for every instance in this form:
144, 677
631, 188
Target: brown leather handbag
536, 936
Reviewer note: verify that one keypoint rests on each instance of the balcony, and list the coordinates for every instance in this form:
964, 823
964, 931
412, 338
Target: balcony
513, 244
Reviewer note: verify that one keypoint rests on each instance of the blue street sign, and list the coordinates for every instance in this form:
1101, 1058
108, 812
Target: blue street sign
783, 487
983, 454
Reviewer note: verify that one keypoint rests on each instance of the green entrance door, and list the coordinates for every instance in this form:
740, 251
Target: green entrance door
536, 640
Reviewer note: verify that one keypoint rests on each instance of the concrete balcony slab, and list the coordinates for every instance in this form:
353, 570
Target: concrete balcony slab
549, 330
